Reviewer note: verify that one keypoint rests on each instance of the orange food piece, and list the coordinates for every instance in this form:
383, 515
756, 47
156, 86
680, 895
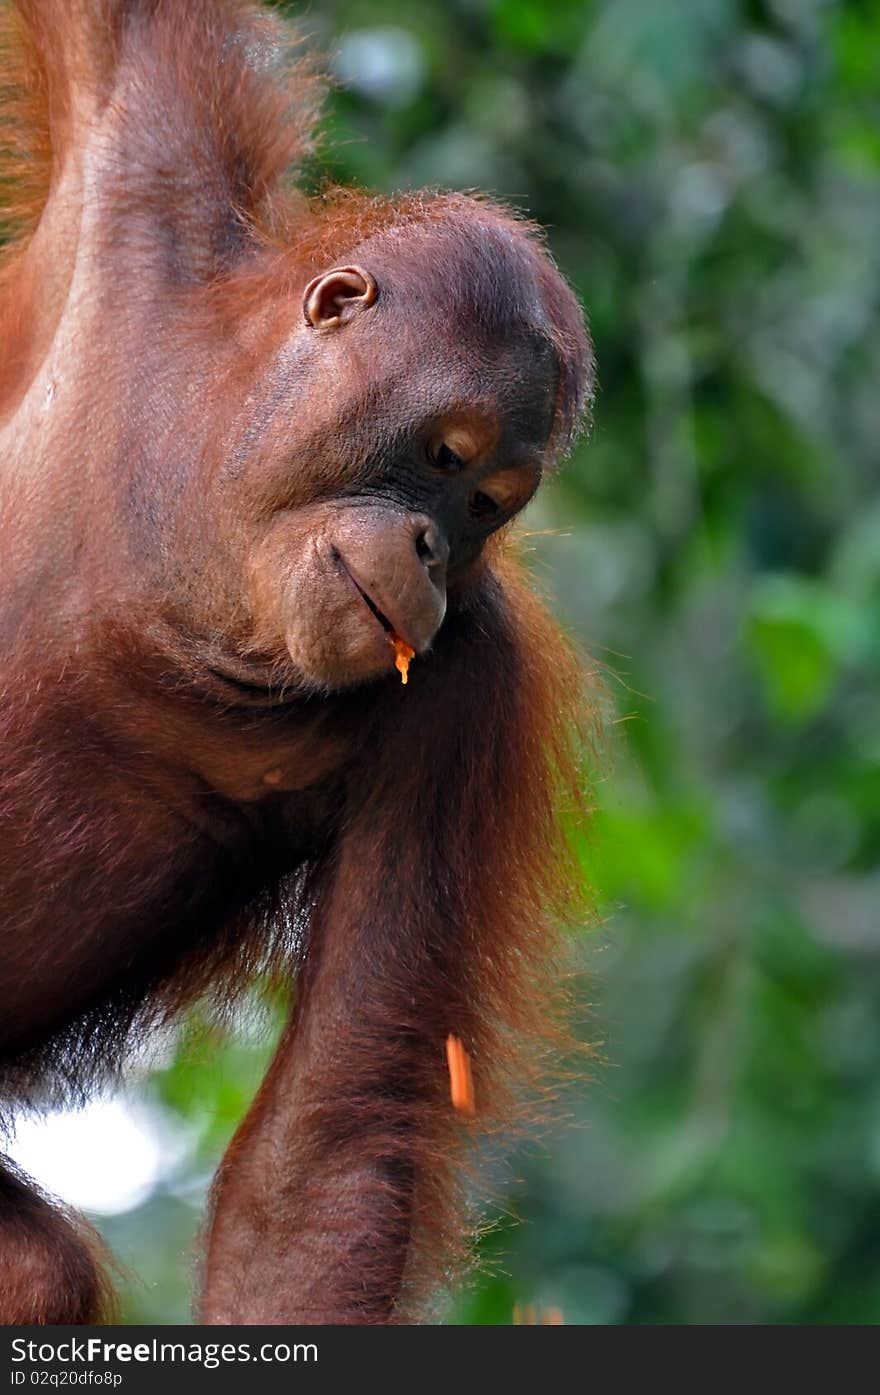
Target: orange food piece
403, 655
461, 1085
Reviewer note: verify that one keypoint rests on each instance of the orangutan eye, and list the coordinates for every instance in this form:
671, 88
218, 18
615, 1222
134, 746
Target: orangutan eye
447, 459
482, 506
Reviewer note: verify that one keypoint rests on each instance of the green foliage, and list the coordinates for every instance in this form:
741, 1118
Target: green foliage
710, 176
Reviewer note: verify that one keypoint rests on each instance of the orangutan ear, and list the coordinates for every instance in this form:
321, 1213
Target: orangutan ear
330, 299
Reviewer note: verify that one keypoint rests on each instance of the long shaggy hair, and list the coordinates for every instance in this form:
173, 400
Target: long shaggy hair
432, 888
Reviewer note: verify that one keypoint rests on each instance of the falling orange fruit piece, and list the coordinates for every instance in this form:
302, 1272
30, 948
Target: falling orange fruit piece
461, 1085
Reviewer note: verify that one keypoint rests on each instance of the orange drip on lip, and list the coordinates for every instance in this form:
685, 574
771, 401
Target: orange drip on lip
403, 656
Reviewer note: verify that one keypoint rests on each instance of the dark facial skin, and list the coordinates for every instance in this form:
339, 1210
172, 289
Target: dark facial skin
452, 450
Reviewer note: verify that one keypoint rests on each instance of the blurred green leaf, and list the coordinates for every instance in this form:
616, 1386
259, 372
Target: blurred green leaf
800, 634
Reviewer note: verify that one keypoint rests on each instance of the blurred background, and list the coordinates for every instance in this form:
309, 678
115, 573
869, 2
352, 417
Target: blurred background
709, 173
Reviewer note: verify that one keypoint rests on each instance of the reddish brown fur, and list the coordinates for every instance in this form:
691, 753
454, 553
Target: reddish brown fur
53, 1268
477, 883
166, 834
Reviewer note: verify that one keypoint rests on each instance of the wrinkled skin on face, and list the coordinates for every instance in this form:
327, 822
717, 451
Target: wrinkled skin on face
336, 583
438, 445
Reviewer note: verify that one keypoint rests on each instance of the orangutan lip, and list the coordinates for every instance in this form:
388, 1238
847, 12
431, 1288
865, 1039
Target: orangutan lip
365, 597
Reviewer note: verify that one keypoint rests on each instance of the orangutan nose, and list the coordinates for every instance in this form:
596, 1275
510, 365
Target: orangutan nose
397, 561
432, 549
